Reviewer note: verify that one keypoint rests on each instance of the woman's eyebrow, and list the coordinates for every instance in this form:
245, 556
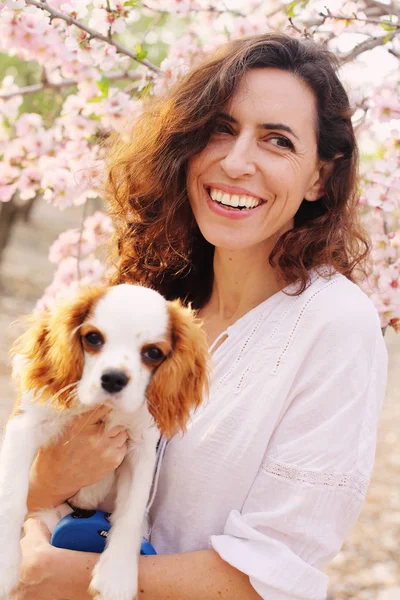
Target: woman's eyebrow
269, 126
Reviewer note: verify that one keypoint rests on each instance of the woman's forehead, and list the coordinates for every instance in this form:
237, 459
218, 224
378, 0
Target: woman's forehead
271, 95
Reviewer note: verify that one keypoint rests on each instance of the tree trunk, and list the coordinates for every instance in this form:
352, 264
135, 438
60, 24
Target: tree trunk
25, 210
8, 217
10, 213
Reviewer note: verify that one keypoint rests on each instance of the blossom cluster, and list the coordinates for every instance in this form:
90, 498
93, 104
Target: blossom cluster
75, 254
99, 58
380, 200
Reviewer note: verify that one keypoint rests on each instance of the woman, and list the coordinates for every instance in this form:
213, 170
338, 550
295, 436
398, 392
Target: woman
237, 194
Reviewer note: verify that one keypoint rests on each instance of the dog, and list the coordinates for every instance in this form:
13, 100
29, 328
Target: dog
124, 346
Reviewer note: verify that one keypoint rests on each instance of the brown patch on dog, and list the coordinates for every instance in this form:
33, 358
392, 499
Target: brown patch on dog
181, 380
51, 349
83, 331
164, 345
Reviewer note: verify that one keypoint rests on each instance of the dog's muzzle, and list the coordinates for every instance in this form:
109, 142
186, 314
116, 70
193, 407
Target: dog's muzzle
113, 381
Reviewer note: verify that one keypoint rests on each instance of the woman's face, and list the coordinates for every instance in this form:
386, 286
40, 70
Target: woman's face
262, 155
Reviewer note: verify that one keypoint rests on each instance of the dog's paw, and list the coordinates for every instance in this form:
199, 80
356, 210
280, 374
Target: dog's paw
9, 570
114, 579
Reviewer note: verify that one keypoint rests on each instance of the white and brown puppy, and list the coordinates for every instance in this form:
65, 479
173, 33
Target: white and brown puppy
123, 346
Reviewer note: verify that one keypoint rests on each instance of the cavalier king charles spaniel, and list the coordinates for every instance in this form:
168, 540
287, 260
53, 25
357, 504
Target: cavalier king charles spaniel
125, 347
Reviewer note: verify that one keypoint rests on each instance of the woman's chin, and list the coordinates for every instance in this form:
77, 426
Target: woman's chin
229, 242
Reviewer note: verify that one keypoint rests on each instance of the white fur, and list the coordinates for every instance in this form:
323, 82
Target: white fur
129, 317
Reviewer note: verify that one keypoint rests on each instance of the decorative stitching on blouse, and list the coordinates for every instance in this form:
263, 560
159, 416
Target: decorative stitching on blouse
355, 482
293, 331
239, 356
313, 278
243, 377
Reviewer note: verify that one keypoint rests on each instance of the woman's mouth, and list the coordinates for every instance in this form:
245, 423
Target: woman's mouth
234, 202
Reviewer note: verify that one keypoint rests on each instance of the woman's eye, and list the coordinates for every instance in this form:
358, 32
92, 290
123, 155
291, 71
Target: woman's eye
93, 338
153, 354
282, 142
222, 128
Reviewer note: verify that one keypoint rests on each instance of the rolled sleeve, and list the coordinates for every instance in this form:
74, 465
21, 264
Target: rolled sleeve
284, 547
275, 571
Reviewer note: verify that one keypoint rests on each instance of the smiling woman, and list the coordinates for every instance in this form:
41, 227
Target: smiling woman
281, 168
237, 193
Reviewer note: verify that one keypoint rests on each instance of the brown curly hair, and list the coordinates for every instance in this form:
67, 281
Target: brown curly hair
156, 237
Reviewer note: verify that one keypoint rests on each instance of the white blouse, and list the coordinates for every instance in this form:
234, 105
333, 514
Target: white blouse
275, 465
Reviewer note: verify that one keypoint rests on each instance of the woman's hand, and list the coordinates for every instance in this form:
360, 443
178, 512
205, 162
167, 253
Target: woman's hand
35, 578
83, 455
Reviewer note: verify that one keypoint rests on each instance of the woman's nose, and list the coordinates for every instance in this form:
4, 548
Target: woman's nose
238, 162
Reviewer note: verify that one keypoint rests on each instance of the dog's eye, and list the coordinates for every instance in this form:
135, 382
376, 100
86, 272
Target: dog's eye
152, 354
94, 338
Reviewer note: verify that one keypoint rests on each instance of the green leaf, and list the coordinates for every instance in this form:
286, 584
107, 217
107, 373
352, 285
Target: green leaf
95, 99
130, 3
140, 53
7, 124
103, 86
388, 26
145, 91
289, 9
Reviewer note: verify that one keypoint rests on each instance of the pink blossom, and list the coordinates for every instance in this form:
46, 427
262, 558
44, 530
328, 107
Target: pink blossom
100, 225
7, 191
382, 248
77, 126
9, 109
12, 4
386, 104
75, 8
70, 277
29, 182
27, 124
106, 21
71, 243
8, 177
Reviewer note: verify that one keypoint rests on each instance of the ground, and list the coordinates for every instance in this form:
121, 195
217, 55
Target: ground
368, 567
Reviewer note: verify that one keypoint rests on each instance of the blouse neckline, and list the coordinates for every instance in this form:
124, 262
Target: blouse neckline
241, 321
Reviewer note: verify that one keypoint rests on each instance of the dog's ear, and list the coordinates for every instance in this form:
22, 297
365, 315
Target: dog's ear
179, 384
48, 356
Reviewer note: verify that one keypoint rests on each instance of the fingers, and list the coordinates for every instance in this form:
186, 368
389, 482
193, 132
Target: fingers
91, 417
119, 455
113, 438
36, 528
119, 440
115, 431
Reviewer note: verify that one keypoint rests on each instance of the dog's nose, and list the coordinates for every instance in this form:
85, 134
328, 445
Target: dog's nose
113, 381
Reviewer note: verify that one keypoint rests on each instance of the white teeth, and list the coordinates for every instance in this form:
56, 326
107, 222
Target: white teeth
234, 200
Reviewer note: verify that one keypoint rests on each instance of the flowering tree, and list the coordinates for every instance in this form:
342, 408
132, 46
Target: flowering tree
95, 60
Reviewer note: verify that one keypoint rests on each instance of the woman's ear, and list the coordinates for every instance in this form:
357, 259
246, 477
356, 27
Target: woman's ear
180, 383
317, 186
49, 355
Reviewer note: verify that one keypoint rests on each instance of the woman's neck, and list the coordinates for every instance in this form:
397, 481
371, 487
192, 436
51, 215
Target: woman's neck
242, 280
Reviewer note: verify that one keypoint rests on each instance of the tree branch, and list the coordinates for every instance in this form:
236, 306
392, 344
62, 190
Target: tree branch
369, 44
38, 87
214, 10
386, 9
210, 9
55, 14
329, 15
